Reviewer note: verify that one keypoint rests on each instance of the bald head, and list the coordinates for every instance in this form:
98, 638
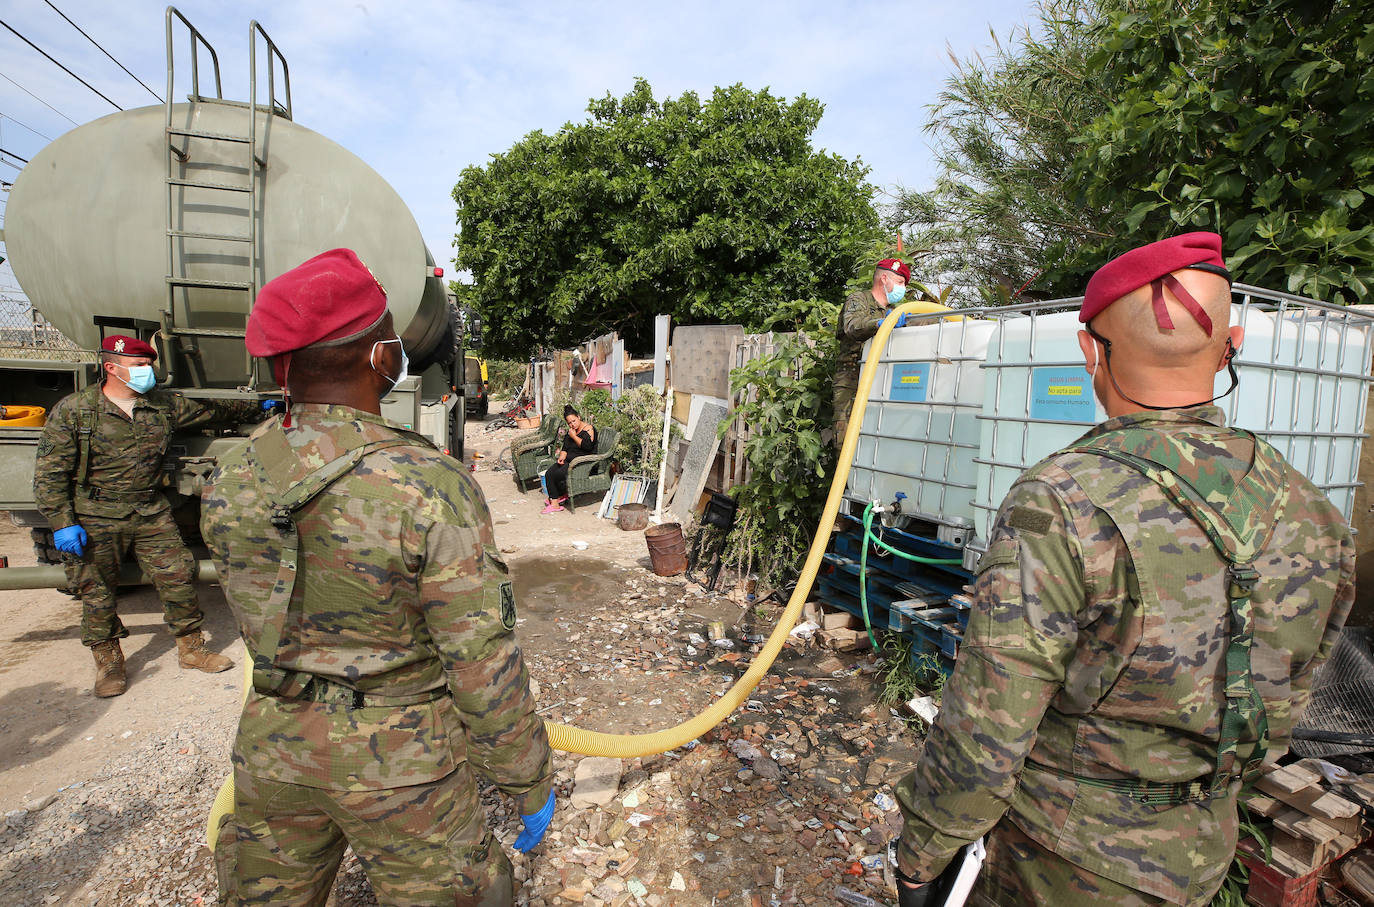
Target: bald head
1161, 366
1131, 324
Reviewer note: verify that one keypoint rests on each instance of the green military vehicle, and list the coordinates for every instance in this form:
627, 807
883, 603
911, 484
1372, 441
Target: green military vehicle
163, 222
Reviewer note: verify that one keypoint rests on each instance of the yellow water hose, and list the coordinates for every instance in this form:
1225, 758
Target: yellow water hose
22, 416
599, 743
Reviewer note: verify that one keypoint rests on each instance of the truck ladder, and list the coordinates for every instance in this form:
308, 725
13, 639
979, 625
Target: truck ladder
181, 176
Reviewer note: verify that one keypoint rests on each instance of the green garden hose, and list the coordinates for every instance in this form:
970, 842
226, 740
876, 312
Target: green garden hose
869, 537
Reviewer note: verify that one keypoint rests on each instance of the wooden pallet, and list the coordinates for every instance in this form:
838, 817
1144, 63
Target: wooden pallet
1312, 824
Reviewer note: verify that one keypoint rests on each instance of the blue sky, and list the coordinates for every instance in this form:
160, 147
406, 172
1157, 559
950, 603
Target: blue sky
421, 89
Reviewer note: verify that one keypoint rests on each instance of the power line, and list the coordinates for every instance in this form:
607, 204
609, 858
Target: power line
39, 100
6, 116
55, 63
102, 50
15, 156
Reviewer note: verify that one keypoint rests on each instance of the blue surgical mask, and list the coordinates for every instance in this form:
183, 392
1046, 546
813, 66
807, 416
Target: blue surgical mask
405, 361
896, 295
141, 378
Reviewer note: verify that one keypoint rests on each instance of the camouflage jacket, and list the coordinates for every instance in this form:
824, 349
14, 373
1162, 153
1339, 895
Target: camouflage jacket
858, 321
1096, 649
400, 591
124, 468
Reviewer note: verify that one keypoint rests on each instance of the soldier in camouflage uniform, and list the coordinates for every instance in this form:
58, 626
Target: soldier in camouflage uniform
859, 318
97, 479
1149, 613
361, 565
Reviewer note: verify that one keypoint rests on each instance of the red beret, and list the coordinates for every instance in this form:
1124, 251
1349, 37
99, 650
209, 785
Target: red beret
896, 266
332, 298
1143, 266
122, 345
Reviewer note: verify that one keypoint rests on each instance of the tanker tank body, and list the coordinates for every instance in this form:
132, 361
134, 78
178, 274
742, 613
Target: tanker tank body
164, 221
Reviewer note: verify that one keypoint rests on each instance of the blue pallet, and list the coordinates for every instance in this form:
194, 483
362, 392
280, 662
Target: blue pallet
942, 579
910, 599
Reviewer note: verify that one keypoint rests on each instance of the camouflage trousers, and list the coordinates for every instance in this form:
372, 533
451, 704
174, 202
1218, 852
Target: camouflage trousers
160, 551
846, 388
419, 845
1018, 871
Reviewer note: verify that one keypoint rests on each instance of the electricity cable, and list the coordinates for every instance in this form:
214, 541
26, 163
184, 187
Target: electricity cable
6, 116
102, 50
55, 63
39, 100
600, 743
13, 155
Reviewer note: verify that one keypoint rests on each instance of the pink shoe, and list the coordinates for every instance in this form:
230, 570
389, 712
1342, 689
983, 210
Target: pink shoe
552, 507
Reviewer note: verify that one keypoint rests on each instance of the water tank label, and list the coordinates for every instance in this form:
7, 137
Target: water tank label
1062, 395
910, 381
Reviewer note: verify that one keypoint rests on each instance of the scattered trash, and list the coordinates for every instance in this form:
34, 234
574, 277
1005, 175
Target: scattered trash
804, 630
580, 545
925, 708
745, 750
884, 801
854, 898
872, 861
639, 820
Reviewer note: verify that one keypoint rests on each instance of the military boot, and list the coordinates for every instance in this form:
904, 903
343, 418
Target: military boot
109, 669
191, 653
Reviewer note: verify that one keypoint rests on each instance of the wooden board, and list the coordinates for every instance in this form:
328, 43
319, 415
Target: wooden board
1290, 778
1261, 805
1332, 809
1297, 824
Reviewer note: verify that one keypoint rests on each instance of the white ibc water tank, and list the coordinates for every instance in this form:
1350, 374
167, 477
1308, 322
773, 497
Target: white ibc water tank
959, 409
1037, 399
1303, 374
920, 431
1303, 388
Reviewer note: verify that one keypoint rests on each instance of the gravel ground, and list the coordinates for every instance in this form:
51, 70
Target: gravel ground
779, 804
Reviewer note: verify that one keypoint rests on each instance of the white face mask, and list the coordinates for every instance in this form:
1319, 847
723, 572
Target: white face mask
405, 362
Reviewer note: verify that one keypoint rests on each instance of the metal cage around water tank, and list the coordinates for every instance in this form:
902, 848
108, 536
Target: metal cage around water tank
959, 408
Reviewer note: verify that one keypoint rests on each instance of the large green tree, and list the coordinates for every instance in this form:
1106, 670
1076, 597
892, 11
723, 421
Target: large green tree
1003, 130
1117, 122
710, 211
1248, 117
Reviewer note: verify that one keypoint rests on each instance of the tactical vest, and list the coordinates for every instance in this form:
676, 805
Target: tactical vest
1239, 532
273, 460
86, 420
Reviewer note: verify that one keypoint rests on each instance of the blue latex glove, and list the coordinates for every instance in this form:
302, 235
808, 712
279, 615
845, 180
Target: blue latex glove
535, 826
901, 320
71, 540
272, 406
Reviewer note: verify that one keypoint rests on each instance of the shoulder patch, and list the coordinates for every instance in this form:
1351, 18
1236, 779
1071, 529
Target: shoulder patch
1030, 520
507, 606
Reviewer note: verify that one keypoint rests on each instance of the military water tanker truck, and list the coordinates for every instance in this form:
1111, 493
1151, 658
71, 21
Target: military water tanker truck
163, 222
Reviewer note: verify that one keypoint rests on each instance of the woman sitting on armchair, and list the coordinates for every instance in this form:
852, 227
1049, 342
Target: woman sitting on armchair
579, 441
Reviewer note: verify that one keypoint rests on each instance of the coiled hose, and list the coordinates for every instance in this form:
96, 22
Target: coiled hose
599, 743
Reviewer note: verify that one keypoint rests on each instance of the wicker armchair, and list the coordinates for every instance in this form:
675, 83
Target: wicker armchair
531, 452
592, 473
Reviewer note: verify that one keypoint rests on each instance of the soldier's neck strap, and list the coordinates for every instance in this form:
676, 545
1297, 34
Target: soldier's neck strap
1107, 364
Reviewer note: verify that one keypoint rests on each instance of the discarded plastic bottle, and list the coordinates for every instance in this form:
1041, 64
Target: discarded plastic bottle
854, 898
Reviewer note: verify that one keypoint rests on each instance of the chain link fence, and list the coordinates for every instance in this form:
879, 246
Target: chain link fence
26, 334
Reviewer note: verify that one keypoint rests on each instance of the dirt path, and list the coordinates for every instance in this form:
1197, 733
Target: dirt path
104, 800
